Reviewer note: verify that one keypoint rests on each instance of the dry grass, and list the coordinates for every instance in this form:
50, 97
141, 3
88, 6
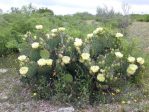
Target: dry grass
140, 30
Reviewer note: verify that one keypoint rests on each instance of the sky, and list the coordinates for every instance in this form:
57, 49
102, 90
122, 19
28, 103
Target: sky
62, 7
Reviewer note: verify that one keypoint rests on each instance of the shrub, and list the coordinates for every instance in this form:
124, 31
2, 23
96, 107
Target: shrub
114, 19
16, 23
45, 10
84, 16
59, 67
140, 17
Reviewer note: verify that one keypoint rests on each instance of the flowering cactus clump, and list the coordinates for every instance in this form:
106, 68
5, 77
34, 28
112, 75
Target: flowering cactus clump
58, 66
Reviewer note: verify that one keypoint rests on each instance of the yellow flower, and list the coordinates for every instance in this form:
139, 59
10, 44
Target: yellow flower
78, 42
34, 94
49, 62
132, 69
35, 37
61, 29
119, 35
60, 55
101, 77
123, 102
99, 29
128, 102
118, 90
94, 69
48, 36
41, 62
35, 45
39, 27
140, 60
118, 54
102, 70
131, 59
135, 100
25, 36
23, 70
54, 30
22, 58
66, 59
85, 56
53, 34
89, 35
81, 60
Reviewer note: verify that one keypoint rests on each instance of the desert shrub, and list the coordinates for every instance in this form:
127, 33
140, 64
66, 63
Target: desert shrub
45, 10
140, 17
109, 17
20, 21
95, 69
13, 26
84, 16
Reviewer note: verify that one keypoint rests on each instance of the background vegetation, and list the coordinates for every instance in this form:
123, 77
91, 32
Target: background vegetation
19, 21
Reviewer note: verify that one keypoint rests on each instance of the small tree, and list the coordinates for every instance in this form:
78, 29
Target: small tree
125, 8
106, 14
125, 19
45, 10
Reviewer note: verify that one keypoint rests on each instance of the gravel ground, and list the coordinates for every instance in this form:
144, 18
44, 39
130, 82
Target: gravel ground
15, 98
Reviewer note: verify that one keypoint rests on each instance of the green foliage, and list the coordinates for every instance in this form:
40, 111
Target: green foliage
67, 78
141, 18
12, 44
21, 21
44, 54
79, 71
84, 16
11, 29
110, 18
50, 12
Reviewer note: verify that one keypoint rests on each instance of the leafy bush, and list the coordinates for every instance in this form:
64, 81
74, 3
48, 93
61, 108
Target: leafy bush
84, 16
59, 67
45, 11
12, 26
114, 19
141, 18
18, 22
